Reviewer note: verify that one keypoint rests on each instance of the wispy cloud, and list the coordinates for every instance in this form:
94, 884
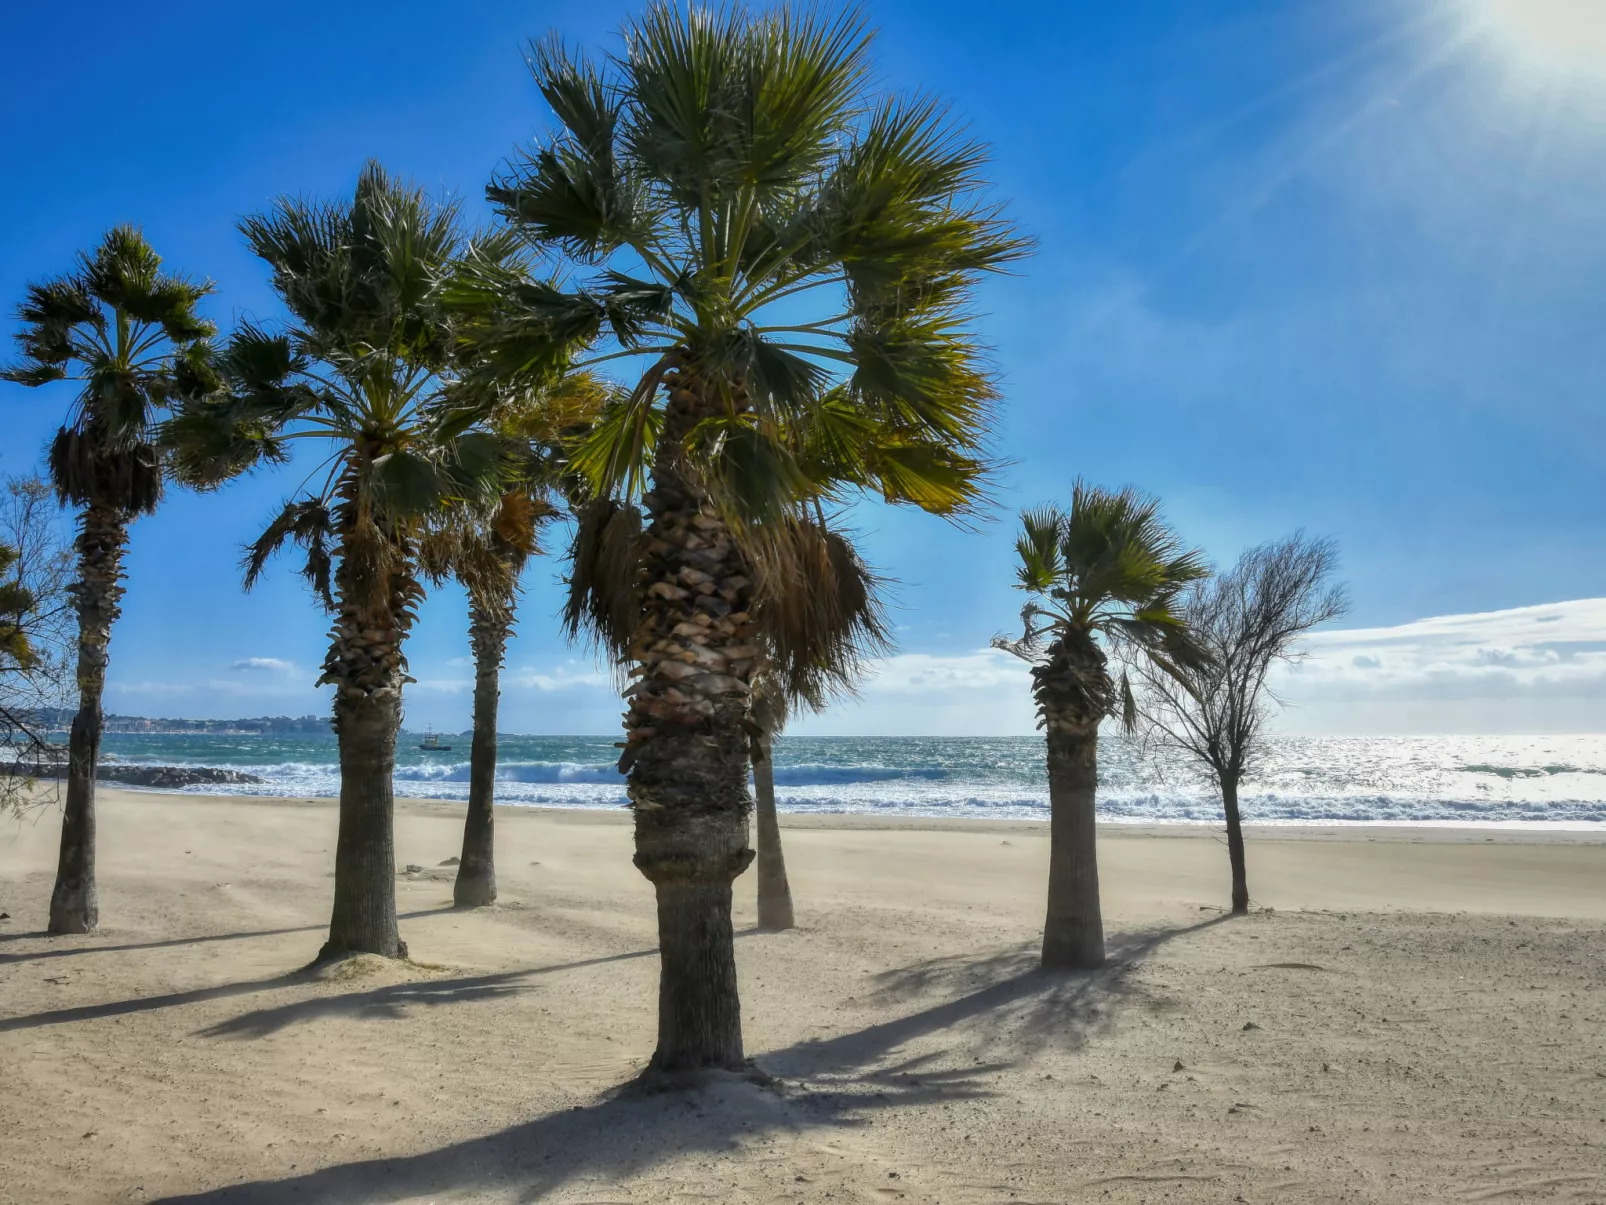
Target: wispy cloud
1537, 668
1556, 650
1529, 669
273, 665
572, 676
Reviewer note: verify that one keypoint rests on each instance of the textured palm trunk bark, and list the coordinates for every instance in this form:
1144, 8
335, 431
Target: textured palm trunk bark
363, 920
687, 753
75, 899
1073, 931
774, 892
375, 596
1235, 844
1074, 693
476, 869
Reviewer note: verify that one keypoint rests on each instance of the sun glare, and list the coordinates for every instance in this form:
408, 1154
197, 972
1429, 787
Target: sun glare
1549, 35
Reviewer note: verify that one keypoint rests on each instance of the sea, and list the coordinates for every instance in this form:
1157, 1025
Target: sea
1548, 782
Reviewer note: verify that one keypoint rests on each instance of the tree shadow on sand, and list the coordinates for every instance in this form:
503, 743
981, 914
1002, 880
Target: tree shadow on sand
388, 1002
89, 947
392, 1001
838, 1082
1025, 1007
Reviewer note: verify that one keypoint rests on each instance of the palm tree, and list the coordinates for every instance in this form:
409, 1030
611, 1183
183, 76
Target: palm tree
1104, 576
118, 325
487, 553
367, 370
790, 257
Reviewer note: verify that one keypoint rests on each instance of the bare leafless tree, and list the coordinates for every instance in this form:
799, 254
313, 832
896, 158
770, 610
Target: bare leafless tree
35, 635
1249, 620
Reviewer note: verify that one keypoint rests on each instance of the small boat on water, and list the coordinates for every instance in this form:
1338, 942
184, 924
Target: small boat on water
432, 743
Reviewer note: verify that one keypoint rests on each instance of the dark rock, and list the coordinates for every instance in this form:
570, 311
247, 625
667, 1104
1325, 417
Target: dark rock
159, 777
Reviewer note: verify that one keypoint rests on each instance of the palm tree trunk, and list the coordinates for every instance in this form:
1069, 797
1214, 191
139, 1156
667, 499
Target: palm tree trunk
1235, 844
687, 755
774, 892
1073, 932
75, 900
476, 870
363, 920
376, 596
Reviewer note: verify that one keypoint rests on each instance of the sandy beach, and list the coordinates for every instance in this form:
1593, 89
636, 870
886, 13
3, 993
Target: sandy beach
1411, 1015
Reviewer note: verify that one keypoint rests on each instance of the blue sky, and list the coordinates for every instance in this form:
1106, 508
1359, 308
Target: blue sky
1300, 265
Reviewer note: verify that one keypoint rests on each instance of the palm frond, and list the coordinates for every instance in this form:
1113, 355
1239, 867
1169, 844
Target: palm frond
819, 608
603, 605
307, 523
1107, 571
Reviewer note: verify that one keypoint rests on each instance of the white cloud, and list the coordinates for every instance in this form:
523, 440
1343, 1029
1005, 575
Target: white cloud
922, 673
273, 665
573, 676
1557, 650
1528, 669
448, 686
980, 693
1531, 669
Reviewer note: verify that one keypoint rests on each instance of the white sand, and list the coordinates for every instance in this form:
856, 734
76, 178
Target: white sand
1431, 1013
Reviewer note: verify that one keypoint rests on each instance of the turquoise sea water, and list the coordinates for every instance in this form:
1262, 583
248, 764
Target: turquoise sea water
1549, 781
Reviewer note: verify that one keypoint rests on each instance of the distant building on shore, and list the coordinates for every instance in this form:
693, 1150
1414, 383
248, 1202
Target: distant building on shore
60, 718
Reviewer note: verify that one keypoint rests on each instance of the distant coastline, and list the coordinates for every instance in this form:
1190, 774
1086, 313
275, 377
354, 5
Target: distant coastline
59, 719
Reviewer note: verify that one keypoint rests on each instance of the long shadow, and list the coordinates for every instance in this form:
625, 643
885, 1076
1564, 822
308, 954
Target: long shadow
626, 1135
120, 1008
169, 942
390, 1002
1026, 1006
380, 1002
145, 945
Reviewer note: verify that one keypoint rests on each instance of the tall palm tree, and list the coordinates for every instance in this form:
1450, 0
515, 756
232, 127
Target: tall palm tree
789, 255
1104, 576
486, 553
118, 325
367, 370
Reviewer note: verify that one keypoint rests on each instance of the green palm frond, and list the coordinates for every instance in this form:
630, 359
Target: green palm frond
309, 524
752, 475
1040, 548
615, 456
386, 364
131, 335
1108, 570
729, 161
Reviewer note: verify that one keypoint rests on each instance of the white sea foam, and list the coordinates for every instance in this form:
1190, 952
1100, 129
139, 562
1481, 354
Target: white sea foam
1526, 781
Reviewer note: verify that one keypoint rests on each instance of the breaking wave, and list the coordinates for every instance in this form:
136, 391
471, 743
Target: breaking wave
1539, 781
